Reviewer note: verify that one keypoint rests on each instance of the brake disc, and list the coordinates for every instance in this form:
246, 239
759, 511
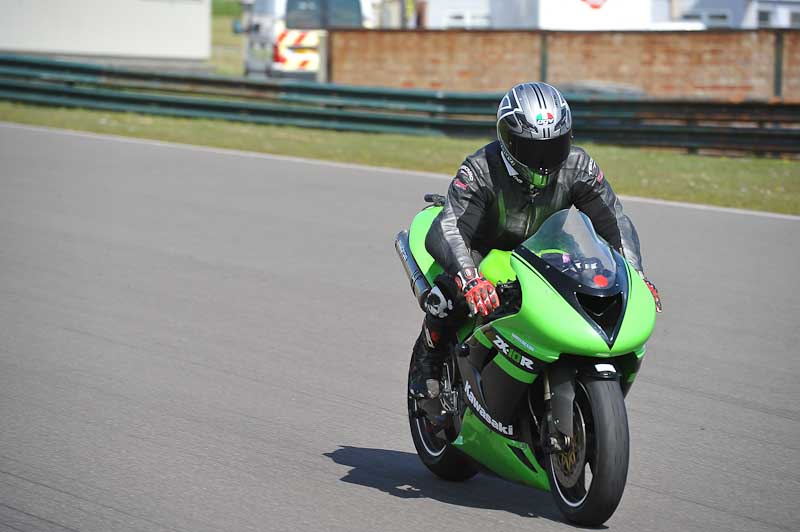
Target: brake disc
571, 463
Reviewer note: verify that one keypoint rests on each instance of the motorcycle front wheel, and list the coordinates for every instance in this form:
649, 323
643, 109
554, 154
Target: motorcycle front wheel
587, 481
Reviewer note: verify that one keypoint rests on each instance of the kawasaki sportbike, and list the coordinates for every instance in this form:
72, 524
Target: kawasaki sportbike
535, 391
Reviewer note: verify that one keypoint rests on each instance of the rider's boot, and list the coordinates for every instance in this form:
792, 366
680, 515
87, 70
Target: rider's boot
429, 358
442, 313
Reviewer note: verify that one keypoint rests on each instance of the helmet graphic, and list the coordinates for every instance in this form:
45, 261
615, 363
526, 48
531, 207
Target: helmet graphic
534, 127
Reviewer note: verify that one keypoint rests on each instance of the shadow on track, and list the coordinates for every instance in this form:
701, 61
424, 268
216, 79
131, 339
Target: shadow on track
403, 475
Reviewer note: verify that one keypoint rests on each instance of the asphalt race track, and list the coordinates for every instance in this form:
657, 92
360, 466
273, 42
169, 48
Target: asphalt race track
196, 340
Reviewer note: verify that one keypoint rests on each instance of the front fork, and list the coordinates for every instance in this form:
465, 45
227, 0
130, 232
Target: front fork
559, 396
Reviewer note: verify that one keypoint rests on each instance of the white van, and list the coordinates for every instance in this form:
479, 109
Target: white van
283, 36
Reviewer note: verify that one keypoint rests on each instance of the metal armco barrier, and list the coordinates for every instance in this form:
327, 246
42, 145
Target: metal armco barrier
753, 127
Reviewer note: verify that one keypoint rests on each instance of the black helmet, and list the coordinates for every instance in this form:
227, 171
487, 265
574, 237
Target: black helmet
534, 127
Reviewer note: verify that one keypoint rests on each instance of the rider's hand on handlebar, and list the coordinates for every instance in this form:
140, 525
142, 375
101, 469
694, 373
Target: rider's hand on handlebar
479, 293
653, 290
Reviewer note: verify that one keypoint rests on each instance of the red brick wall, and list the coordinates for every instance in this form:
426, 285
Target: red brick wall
721, 65
791, 66
452, 60
728, 66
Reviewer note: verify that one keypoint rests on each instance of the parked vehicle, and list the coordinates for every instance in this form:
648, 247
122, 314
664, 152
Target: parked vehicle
283, 36
535, 391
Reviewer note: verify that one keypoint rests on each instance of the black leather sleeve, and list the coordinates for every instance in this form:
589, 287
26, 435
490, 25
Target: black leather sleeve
593, 195
450, 238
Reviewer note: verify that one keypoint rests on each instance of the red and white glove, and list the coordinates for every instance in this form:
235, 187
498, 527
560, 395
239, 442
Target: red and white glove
479, 293
653, 290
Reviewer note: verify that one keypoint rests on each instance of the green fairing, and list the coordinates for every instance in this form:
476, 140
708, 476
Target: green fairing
492, 450
416, 239
546, 321
550, 324
496, 267
640, 317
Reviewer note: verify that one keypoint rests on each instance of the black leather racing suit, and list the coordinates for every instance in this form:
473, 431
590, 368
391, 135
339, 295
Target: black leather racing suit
489, 207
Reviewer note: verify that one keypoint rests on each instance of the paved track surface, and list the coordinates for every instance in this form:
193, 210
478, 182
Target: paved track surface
200, 341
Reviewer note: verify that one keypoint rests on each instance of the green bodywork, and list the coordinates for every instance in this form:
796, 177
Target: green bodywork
416, 240
546, 321
495, 452
545, 327
549, 324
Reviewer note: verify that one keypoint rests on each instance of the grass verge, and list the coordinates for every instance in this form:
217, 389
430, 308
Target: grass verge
228, 8
748, 183
227, 48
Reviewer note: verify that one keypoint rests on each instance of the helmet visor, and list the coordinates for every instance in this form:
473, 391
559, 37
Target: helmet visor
544, 156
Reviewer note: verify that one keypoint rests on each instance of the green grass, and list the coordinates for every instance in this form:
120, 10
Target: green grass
749, 183
227, 8
227, 48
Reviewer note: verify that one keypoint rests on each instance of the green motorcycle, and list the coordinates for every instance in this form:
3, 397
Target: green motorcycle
534, 393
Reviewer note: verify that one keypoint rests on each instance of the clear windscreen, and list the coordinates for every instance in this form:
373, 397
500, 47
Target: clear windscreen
568, 242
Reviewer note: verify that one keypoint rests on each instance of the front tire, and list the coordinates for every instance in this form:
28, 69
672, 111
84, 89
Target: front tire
435, 452
587, 482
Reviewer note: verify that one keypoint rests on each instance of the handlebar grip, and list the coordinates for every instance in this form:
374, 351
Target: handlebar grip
436, 199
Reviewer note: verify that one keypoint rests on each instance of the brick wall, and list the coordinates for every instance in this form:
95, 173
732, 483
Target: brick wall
728, 66
791, 66
734, 65
434, 59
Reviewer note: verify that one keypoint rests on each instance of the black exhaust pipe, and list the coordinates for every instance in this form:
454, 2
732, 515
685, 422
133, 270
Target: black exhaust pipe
417, 279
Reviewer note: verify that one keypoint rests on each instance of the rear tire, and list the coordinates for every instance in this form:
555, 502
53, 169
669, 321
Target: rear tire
601, 468
435, 452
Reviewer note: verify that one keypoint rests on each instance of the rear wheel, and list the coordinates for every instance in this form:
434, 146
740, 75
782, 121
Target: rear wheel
587, 481
432, 442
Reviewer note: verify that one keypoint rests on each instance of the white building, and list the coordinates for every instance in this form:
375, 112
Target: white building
540, 14
128, 29
606, 14
731, 13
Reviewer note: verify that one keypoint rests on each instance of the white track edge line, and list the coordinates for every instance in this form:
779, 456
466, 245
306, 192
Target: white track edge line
712, 208
221, 151
362, 167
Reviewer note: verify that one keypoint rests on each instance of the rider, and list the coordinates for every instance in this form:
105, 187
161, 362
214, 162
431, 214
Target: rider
499, 197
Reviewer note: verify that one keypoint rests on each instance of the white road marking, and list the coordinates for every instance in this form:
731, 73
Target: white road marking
220, 151
713, 208
362, 167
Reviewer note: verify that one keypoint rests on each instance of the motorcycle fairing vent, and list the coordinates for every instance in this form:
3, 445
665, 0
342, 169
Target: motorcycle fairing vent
604, 311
